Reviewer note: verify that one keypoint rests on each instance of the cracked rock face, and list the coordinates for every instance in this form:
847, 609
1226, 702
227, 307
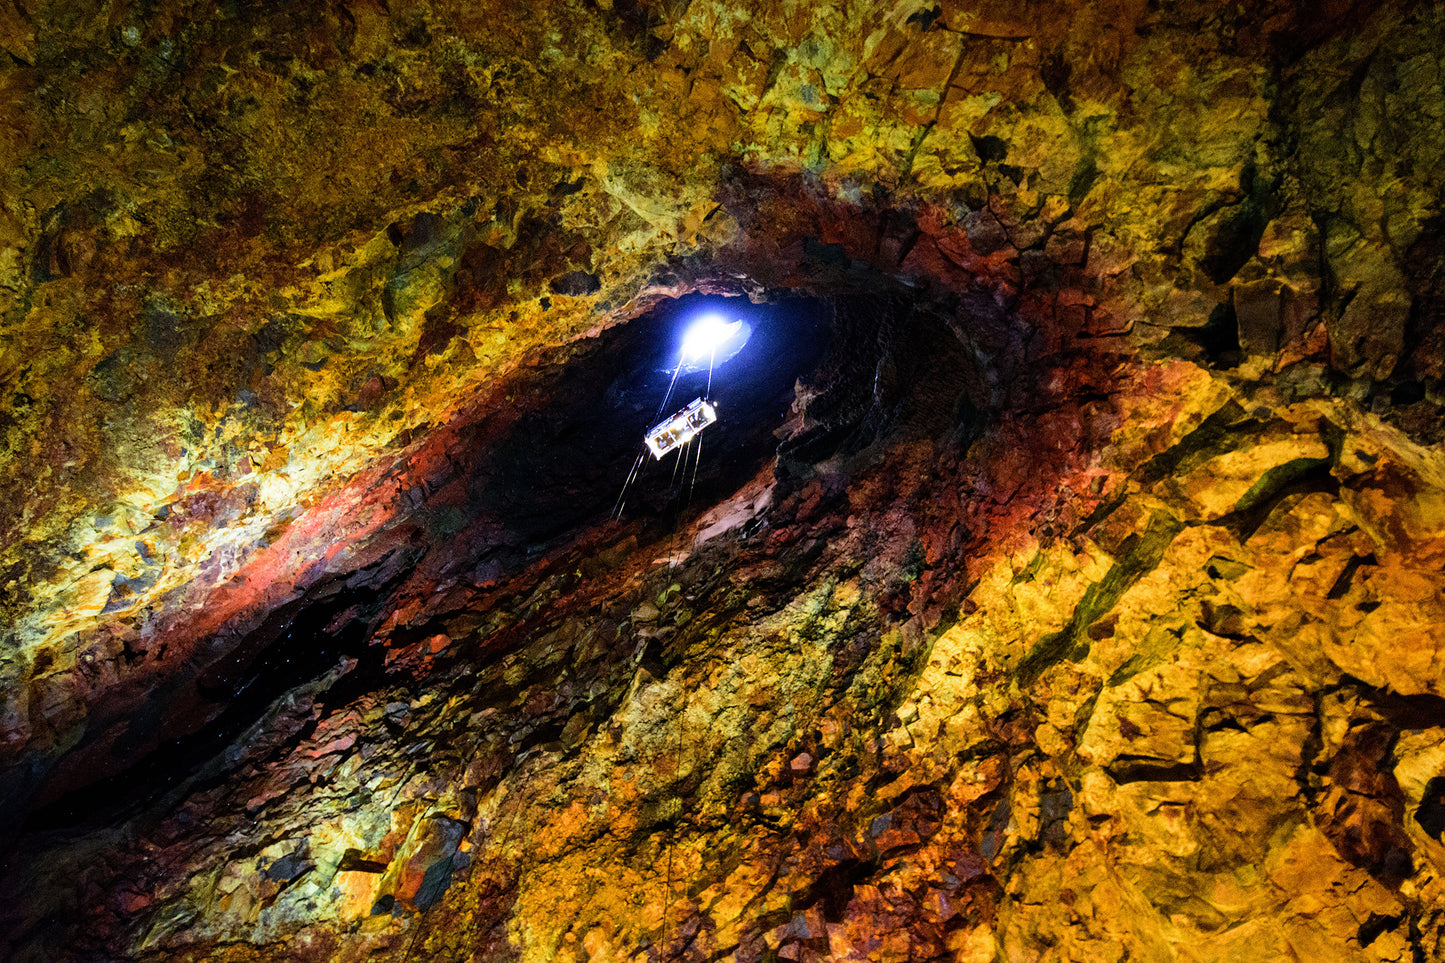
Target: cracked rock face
1062, 580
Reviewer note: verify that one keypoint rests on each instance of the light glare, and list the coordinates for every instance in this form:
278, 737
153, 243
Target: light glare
707, 334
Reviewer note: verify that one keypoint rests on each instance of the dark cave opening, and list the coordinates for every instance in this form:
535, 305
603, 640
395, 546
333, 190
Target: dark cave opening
820, 379
563, 460
855, 358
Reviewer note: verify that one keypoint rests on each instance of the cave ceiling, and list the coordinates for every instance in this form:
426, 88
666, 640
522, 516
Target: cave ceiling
1060, 581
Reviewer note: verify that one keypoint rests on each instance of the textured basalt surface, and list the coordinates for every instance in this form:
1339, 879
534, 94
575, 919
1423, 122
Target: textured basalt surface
1062, 581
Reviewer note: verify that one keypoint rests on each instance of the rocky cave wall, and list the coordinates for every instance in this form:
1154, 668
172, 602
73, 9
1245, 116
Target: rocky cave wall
1067, 588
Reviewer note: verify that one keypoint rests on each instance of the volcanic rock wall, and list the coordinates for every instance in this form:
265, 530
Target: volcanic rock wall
1084, 603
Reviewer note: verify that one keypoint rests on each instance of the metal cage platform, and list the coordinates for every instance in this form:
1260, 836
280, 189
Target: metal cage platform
678, 430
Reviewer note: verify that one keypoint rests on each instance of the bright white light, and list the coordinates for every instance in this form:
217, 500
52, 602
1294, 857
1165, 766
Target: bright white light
707, 334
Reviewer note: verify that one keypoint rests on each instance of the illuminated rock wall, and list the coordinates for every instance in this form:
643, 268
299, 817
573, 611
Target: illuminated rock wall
1089, 608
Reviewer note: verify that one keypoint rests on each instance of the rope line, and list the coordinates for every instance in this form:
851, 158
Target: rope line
696, 464
675, 372
622, 495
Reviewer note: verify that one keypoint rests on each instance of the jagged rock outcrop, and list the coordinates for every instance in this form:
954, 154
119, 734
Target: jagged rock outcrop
1065, 585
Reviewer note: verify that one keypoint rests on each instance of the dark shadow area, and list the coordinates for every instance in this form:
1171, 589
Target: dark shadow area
1215, 344
899, 365
563, 461
1430, 814
299, 643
